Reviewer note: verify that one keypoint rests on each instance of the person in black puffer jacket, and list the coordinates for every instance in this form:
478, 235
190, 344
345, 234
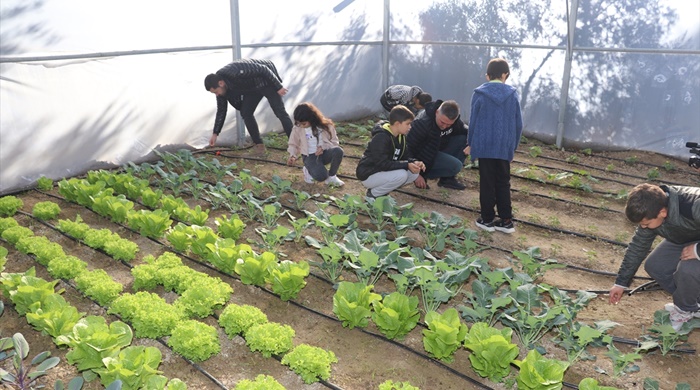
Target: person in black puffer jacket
243, 83
438, 137
386, 163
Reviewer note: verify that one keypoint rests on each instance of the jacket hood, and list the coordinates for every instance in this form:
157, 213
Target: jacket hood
498, 92
381, 127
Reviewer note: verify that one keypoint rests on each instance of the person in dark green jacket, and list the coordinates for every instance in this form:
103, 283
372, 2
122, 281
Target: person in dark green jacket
386, 163
672, 212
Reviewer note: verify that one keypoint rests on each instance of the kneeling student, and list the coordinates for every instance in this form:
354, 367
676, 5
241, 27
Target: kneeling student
386, 164
315, 139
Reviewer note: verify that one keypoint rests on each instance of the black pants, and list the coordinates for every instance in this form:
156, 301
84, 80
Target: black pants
250, 103
494, 189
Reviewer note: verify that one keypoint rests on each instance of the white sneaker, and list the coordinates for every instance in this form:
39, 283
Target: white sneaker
678, 316
334, 181
307, 176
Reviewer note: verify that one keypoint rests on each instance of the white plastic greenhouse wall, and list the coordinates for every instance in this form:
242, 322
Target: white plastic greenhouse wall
93, 83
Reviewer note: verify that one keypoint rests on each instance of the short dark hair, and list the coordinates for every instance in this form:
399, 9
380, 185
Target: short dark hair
496, 68
424, 98
211, 81
449, 109
400, 114
645, 201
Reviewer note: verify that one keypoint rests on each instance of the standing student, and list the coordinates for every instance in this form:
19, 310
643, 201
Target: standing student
314, 138
243, 83
495, 127
386, 163
412, 97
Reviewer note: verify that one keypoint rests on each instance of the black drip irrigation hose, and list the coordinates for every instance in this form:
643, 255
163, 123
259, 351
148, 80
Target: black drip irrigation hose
602, 169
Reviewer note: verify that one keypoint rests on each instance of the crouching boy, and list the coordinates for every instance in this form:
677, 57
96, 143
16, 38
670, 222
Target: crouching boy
386, 164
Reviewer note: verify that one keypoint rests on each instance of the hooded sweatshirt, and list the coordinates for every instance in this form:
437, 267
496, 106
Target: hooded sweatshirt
495, 123
384, 152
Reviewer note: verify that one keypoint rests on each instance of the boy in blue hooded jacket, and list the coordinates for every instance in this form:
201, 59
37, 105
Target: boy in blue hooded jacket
495, 127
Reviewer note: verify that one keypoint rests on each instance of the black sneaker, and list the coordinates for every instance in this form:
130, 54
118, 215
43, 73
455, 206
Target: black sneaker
450, 182
504, 225
369, 194
488, 226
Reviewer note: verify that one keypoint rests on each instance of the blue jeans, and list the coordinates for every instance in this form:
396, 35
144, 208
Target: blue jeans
250, 103
316, 165
449, 161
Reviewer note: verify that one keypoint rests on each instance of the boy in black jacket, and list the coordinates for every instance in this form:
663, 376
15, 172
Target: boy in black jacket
386, 164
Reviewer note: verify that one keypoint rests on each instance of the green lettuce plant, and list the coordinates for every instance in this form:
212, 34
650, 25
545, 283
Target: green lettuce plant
24, 290
91, 339
200, 300
537, 372
396, 314
99, 286
149, 314
97, 238
270, 338
46, 210
202, 236
44, 183
15, 233
116, 208
9, 205
255, 269
237, 319
231, 227
492, 350
180, 237
310, 363
6, 223
77, 229
149, 223
592, 384
445, 334
352, 303
261, 382
121, 249
41, 247
135, 366
288, 278
391, 385
53, 316
195, 340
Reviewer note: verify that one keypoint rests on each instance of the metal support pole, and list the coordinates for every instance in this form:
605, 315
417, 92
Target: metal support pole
236, 42
564, 98
385, 44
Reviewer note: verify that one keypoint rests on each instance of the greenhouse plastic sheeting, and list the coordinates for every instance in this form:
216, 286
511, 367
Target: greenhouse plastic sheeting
86, 84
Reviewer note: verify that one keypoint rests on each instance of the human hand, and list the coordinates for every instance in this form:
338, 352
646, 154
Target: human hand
319, 150
212, 140
282, 91
420, 182
291, 160
616, 294
413, 167
467, 150
688, 252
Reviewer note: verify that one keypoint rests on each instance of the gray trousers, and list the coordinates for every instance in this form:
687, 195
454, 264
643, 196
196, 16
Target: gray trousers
680, 278
382, 183
316, 165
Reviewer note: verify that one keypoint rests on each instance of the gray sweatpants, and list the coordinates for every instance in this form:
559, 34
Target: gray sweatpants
680, 278
382, 183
